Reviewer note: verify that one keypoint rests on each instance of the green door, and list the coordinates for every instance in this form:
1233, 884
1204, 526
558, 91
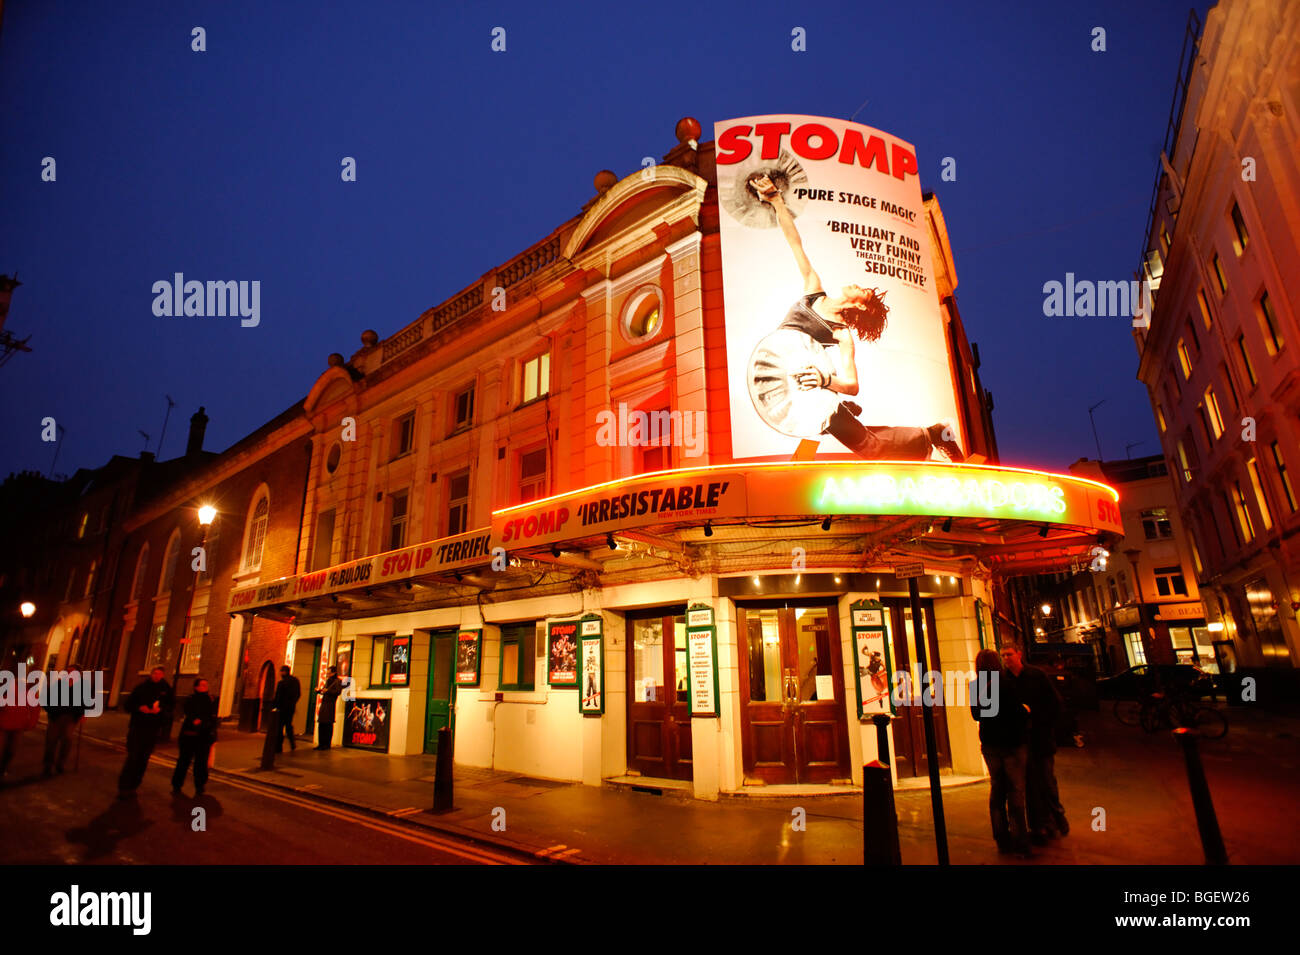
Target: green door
437, 712
309, 691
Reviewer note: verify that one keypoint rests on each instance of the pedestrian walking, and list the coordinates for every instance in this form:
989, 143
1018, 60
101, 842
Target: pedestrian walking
1046, 815
16, 718
1004, 736
287, 692
198, 733
150, 706
62, 719
328, 700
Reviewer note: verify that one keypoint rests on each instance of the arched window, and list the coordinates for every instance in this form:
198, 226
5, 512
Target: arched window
255, 534
170, 558
141, 572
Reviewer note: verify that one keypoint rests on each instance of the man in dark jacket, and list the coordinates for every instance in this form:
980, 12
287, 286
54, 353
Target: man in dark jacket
198, 733
62, 717
1046, 815
1004, 735
287, 692
329, 698
150, 706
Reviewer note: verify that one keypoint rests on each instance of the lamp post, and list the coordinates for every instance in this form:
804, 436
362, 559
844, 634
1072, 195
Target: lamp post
207, 513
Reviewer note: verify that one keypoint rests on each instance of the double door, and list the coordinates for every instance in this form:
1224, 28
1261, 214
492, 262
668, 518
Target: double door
658, 715
909, 727
793, 723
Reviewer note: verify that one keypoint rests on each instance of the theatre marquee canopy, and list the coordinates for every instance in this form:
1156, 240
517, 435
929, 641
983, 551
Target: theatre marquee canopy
721, 495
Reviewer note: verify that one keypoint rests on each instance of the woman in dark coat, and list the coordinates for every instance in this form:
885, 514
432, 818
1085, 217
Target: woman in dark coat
1004, 740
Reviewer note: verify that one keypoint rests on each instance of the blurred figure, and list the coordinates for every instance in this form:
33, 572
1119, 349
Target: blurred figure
150, 706
198, 733
1004, 736
287, 692
1046, 815
62, 721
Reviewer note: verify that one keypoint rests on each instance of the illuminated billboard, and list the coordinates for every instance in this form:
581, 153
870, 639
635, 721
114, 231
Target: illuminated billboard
834, 332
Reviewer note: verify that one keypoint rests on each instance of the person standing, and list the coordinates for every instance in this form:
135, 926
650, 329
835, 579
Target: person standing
62, 719
329, 698
198, 733
1046, 816
16, 718
149, 704
287, 693
1004, 735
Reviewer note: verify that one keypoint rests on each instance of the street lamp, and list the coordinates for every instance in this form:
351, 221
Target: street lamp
207, 513
1047, 609
27, 608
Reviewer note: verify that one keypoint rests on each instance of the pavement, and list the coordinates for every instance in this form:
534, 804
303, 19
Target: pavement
1125, 793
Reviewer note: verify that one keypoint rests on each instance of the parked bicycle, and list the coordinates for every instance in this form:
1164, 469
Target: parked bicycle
1160, 711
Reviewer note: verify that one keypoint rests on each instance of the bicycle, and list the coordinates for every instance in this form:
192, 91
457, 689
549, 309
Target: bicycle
1161, 712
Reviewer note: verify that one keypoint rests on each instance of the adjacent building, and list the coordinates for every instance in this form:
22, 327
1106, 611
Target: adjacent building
1220, 357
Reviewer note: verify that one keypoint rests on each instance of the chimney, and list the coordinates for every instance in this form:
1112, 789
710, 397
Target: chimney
198, 425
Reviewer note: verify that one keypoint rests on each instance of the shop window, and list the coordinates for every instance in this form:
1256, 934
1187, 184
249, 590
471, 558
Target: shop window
1170, 582
1137, 654
323, 546
1265, 513
1273, 341
458, 503
1181, 640
518, 666
1219, 275
381, 661
1280, 464
1243, 512
397, 519
1204, 302
462, 409
1214, 412
255, 538
1241, 238
532, 475
536, 377
1245, 361
154, 657
403, 435
193, 651
141, 573
1156, 524
171, 558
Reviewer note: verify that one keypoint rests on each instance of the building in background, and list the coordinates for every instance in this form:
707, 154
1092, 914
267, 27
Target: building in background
1221, 356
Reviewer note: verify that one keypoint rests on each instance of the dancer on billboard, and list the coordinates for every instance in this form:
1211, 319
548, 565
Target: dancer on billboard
832, 322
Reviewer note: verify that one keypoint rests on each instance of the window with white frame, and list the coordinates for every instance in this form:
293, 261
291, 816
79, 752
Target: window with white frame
191, 652
154, 657
458, 503
403, 435
1156, 524
398, 513
462, 409
536, 377
1170, 582
255, 538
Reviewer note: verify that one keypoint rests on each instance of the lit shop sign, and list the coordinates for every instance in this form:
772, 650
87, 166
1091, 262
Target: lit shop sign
689, 496
941, 490
432, 557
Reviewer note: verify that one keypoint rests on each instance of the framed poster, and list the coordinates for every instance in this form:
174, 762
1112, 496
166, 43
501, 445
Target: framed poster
469, 652
591, 658
365, 725
399, 673
701, 661
344, 662
562, 653
872, 663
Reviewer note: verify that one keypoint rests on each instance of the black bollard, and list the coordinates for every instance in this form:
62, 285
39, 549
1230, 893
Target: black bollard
882, 737
272, 738
1206, 820
442, 781
879, 817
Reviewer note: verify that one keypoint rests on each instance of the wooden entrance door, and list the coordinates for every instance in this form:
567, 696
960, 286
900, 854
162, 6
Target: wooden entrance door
793, 724
909, 728
658, 715
437, 711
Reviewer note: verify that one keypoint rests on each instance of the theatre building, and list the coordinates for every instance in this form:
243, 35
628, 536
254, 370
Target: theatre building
641, 505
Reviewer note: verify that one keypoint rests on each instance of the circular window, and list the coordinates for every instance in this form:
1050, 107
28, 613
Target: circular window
643, 315
332, 459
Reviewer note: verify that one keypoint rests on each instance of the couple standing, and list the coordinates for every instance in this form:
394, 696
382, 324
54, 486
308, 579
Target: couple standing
1018, 710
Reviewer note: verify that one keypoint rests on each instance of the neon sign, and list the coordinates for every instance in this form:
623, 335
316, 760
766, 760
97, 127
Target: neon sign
930, 494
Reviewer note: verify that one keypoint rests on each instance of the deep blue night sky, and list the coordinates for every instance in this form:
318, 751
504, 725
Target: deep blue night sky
225, 165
